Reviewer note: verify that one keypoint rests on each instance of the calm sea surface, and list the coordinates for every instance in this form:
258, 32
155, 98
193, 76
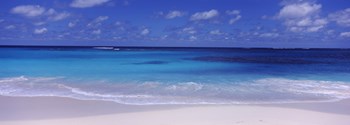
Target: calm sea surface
144, 76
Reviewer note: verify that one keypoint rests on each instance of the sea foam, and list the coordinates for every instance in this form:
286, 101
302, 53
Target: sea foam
259, 91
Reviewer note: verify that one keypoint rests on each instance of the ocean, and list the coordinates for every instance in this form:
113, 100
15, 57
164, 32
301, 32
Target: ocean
151, 76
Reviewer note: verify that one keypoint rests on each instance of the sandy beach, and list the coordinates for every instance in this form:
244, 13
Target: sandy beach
174, 62
66, 111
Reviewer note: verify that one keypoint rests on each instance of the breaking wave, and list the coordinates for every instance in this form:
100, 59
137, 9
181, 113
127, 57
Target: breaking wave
260, 91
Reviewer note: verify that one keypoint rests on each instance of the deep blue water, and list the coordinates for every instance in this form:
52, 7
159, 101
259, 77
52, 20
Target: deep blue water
177, 75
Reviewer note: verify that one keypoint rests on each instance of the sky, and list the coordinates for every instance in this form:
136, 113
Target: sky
177, 23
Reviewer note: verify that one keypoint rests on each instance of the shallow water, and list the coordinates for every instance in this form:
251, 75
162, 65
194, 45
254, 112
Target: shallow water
176, 75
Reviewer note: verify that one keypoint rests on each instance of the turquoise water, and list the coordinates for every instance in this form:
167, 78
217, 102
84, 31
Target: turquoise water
143, 76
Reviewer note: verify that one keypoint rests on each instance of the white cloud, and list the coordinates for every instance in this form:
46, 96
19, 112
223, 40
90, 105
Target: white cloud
174, 14
345, 34
303, 22
269, 35
71, 24
299, 10
9, 27
341, 17
164, 37
56, 16
28, 10
59, 16
314, 28
40, 31
145, 32
329, 32
233, 12
265, 17
101, 18
118, 23
50, 12
39, 23
87, 3
233, 20
189, 30
206, 15
215, 32
98, 21
36, 10
302, 17
236, 16
96, 32
193, 38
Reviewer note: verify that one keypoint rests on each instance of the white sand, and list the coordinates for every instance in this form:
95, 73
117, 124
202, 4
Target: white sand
63, 111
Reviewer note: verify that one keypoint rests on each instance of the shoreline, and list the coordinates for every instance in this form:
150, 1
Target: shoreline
60, 110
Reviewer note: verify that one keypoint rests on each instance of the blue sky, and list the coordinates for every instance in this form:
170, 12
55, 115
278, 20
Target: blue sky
202, 23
